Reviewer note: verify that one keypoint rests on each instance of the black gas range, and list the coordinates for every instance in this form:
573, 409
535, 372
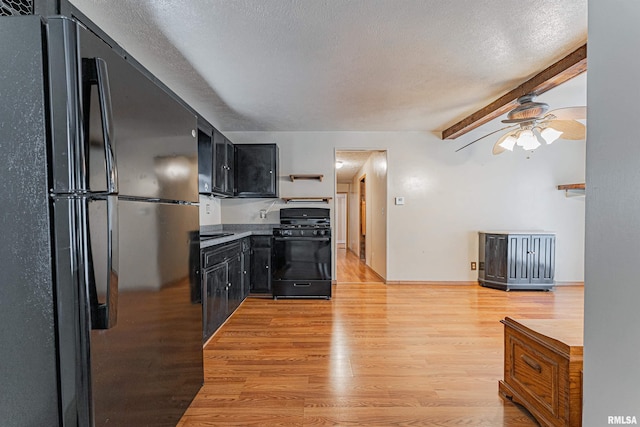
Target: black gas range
301, 256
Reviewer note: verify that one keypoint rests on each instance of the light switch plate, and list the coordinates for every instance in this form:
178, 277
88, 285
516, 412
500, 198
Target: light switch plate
399, 200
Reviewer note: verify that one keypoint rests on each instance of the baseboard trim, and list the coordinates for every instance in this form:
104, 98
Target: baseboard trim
382, 279
466, 283
423, 282
569, 283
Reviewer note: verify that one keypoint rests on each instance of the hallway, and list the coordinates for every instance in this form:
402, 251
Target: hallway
350, 269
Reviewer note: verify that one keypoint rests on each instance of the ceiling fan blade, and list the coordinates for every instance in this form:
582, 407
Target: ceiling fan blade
482, 137
569, 113
497, 148
571, 129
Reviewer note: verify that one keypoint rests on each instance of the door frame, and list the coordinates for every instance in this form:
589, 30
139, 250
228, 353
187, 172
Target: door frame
362, 217
345, 220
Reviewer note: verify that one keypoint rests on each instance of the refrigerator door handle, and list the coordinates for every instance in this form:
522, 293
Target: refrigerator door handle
95, 70
104, 315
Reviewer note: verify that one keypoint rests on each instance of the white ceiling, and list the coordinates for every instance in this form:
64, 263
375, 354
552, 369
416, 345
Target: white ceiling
352, 162
342, 65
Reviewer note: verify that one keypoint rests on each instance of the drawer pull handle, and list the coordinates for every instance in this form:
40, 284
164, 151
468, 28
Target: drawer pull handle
532, 363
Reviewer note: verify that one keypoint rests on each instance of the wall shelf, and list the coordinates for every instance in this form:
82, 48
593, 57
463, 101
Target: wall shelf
573, 189
319, 199
293, 177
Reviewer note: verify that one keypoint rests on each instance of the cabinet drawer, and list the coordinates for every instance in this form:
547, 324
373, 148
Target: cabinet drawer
302, 289
216, 254
260, 241
537, 374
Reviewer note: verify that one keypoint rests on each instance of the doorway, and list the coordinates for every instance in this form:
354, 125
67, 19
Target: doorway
361, 175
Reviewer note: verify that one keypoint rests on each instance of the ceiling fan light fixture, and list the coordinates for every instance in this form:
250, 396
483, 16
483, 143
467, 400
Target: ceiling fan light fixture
527, 140
528, 109
550, 134
508, 143
339, 164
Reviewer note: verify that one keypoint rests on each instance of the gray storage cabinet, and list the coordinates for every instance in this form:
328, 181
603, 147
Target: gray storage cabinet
517, 260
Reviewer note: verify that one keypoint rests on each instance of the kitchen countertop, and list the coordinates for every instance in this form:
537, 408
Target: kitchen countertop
239, 231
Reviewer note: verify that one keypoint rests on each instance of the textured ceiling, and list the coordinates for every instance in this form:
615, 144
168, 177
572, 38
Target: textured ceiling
352, 162
354, 65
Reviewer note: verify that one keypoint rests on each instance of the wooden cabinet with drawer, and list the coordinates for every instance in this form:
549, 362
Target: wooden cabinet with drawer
543, 369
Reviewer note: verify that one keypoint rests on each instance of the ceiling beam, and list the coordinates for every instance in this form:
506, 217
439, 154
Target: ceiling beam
567, 68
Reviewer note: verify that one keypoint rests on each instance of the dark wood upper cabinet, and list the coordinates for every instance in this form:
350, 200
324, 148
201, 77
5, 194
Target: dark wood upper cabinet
236, 170
256, 170
222, 175
205, 161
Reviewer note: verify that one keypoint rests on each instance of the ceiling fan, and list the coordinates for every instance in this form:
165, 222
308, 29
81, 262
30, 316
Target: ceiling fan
530, 126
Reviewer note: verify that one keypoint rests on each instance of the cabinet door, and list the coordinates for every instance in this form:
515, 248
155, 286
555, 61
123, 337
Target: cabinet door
234, 283
205, 162
219, 184
256, 170
261, 270
542, 250
245, 261
230, 156
519, 260
215, 305
496, 257
261, 264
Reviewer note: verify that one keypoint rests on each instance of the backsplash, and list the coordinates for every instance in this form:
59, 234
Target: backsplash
209, 211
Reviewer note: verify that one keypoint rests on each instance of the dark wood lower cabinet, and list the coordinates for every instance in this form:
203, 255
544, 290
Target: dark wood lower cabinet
261, 264
245, 265
222, 282
216, 302
229, 272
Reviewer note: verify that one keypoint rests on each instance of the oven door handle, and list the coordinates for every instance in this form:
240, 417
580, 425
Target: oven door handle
310, 238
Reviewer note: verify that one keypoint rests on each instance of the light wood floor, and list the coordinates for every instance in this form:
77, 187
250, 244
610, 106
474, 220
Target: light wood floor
350, 269
374, 355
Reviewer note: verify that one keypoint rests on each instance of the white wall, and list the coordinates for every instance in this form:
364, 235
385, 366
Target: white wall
210, 212
612, 288
343, 187
353, 238
448, 196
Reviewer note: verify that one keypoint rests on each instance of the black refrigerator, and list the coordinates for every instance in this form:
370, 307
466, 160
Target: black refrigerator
98, 196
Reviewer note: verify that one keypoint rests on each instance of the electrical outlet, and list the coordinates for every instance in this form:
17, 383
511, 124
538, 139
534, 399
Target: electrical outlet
473, 265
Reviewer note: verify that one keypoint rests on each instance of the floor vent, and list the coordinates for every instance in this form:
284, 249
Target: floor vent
16, 7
